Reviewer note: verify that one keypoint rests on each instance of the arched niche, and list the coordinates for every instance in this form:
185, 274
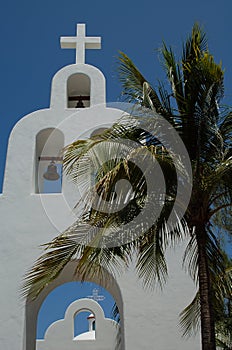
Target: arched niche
84, 321
49, 144
69, 275
78, 91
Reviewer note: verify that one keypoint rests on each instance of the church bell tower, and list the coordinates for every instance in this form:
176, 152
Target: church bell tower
37, 205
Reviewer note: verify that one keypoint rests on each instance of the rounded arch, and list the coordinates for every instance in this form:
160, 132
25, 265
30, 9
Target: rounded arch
84, 321
78, 91
59, 85
49, 143
64, 295
68, 275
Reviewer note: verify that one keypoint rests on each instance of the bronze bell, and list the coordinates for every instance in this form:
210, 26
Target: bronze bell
51, 174
80, 103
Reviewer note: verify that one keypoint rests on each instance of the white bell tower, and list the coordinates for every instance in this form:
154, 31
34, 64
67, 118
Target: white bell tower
32, 215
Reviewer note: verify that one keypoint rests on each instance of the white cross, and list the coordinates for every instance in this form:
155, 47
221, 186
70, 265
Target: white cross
80, 42
96, 296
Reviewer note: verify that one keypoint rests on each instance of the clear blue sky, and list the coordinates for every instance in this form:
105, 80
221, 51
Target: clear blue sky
31, 53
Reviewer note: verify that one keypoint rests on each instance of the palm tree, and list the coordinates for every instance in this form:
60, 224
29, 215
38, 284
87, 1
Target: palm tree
197, 87
190, 104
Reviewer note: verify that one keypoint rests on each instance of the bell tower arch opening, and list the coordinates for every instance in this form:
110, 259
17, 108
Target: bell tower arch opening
48, 161
78, 91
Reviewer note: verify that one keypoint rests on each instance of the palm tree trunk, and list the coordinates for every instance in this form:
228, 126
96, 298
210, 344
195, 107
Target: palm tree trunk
207, 317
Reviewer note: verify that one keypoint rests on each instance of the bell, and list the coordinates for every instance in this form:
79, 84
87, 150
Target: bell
51, 174
80, 103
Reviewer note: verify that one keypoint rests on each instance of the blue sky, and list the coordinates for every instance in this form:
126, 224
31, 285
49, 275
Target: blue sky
31, 53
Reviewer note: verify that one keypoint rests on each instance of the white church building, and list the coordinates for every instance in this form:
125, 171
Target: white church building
31, 216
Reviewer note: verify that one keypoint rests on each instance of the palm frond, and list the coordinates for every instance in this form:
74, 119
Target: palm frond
190, 258
195, 44
152, 265
225, 128
174, 75
132, 80
48, 266
133, 84
190, 318
81, 242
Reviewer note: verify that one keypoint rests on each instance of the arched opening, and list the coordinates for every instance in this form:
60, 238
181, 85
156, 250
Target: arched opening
48, 161
52, 302
54, 306
84, 326
78, 91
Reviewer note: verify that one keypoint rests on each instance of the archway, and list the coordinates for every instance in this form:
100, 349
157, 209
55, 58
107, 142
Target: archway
66, 276
78, 91
49, 143
56, 303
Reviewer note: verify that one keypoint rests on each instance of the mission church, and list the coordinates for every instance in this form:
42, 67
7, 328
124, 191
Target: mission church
32, 214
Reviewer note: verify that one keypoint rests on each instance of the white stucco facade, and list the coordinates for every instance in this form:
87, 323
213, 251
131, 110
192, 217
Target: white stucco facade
30, 218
